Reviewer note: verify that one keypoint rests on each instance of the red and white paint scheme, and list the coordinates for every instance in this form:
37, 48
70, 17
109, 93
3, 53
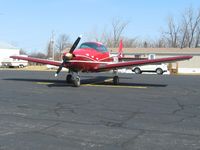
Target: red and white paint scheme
94, 57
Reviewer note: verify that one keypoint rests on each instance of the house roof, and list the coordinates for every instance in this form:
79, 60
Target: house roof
164, 51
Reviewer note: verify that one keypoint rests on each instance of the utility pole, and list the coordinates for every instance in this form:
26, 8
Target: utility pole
52, 43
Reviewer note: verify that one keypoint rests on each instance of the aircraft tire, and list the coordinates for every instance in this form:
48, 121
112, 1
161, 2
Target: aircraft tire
115, 80
77, 82
69, 78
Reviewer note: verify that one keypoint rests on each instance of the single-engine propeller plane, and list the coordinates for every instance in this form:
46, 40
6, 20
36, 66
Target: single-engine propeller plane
94, 57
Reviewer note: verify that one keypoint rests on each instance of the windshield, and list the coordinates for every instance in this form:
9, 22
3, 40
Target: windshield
96, 46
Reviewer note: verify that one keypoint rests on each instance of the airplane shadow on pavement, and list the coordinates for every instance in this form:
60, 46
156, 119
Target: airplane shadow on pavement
85, 81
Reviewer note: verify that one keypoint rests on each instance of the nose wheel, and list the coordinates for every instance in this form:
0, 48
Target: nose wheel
74, 79
77, 81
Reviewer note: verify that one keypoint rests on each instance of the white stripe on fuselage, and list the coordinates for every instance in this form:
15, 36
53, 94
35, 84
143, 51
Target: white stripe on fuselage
92, 60
85, 57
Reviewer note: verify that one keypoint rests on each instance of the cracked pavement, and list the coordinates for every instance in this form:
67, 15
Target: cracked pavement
163, 116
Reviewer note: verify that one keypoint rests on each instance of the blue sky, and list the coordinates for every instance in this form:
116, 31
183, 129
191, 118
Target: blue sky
28, 23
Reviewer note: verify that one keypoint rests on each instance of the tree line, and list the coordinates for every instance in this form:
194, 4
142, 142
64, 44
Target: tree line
179, 33
184, 33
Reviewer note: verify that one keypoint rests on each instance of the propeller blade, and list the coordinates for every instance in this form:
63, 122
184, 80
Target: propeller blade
66, 58
75, 44
59, 69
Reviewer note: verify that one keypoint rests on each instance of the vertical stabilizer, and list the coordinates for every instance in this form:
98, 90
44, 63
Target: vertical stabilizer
120, 51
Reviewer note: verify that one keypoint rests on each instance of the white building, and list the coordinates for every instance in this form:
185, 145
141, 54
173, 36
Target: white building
187, 66
7, 50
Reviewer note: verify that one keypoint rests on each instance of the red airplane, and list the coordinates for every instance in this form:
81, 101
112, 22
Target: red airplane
94, 57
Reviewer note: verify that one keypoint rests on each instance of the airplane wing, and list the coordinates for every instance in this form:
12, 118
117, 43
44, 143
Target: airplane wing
37, 60
103, 67
109, 66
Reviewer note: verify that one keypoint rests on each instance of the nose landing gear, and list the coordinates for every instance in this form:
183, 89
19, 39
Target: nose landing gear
74, 79
77, 81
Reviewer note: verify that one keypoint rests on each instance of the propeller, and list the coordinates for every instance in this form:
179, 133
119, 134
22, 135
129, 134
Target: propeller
68, 56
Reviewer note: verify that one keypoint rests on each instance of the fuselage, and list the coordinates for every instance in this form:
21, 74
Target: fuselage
89, 56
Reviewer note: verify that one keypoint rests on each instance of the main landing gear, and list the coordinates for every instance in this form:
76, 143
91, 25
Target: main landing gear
115, 78
69, 78
74, 78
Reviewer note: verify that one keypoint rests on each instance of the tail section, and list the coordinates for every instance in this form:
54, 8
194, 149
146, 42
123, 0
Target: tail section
120, 51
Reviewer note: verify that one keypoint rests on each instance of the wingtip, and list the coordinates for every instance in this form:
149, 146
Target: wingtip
190, 56
81, 36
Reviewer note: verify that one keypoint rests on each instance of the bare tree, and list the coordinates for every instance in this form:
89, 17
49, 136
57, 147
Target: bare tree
117, 29
184, 37
50, 49
189, 28
184, 34
129, 42
38, 55
22, 52
161, 42
172, 33
62, 42
194, 21
197, 43
112, 37
104, 37
95, 36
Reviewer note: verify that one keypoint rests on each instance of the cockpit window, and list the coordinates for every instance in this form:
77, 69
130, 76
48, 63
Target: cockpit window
96, 46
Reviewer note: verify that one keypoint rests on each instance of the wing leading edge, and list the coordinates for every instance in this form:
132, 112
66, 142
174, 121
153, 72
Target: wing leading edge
37, 60
141, 62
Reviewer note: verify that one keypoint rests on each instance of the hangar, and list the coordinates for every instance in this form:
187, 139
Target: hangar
190, 66
7, 50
